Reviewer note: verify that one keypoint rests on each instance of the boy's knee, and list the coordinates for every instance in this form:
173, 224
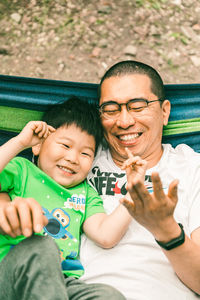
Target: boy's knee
36, 246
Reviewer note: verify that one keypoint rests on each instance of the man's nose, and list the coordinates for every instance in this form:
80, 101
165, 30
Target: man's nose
125, 119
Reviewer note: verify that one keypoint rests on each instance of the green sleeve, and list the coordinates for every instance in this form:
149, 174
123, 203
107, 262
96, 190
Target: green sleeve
94, 203
11, 176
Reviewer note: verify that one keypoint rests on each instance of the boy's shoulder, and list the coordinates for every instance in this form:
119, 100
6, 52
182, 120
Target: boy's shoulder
22, 161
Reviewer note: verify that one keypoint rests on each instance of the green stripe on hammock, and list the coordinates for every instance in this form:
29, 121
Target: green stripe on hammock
14, 119
182, 126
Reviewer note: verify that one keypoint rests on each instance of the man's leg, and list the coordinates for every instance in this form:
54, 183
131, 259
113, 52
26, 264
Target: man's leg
79, 290
32, 270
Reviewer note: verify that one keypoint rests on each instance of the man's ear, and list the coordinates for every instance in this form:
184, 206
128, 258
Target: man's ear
36, 149
166, 108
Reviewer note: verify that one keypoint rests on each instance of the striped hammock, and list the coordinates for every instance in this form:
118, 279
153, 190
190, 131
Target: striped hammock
24, 99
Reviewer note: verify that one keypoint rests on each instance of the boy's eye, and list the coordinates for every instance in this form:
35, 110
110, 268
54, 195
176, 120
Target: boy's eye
66, 146
86, 154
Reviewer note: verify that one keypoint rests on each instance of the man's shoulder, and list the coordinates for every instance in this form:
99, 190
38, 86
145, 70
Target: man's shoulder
181, 152
181, 149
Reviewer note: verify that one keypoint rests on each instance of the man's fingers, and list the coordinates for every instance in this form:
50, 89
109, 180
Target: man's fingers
128, 204
173, 191
157, 187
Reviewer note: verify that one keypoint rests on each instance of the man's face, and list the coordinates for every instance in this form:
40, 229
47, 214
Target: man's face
66, 155
141, 131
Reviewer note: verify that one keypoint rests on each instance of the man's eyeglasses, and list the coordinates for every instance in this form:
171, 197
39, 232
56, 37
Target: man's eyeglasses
112, 109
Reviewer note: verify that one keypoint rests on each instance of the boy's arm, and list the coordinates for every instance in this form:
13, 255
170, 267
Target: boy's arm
22, 216
31, 135
107, 230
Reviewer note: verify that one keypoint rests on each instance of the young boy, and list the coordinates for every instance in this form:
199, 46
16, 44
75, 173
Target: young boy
65, 149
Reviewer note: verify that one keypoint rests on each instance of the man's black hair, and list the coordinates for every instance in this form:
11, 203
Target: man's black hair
79, 112
129, 67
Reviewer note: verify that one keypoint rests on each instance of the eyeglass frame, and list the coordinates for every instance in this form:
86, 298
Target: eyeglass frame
126, 104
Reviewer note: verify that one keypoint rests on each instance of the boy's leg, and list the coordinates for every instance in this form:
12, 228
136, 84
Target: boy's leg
32, 270
79, 290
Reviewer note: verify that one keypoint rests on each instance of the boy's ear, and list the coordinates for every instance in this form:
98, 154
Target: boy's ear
36, 149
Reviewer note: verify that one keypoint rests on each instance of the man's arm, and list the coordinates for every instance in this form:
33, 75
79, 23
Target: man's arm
155, 212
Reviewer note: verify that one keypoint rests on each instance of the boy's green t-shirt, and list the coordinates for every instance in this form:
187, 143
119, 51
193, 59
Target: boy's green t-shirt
66, 209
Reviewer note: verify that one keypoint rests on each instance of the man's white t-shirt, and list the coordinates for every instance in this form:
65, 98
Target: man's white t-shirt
137, 266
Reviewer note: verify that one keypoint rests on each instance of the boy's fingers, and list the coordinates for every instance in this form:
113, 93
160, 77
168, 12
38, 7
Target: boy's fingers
25, 218
38, 219
51, 128
12, 220
5, 227
30, 215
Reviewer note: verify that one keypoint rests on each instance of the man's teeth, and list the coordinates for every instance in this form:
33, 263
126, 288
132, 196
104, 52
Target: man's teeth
66, 170
128, 137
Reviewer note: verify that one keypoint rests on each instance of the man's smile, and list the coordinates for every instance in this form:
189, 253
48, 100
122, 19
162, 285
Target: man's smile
129, 137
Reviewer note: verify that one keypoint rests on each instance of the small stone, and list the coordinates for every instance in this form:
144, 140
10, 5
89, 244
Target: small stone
96, 51
39, 59
130, 50
103, 43
16, 17
177, 2
196, 60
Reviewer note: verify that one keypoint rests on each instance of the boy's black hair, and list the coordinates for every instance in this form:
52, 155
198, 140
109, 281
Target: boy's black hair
83, 114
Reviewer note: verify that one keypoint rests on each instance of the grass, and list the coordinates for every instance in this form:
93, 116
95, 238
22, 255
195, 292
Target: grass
155, 4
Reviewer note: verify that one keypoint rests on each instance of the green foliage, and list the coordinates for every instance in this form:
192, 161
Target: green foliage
181, 37
99, 22
155, 4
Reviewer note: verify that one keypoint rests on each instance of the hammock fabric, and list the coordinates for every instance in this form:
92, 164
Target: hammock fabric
24, 99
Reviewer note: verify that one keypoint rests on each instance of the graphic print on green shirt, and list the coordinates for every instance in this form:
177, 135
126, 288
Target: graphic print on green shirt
66, 209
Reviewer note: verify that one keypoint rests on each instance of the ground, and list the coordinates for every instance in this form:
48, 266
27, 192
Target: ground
78, 40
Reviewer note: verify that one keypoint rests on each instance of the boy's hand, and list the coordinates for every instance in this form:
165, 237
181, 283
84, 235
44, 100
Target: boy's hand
22, 216
135, 168
33, 133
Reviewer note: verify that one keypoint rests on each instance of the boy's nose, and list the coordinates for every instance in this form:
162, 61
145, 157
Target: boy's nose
72, 156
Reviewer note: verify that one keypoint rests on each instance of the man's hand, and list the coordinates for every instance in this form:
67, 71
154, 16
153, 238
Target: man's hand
33, 133
22, 216
135, 168
153, 211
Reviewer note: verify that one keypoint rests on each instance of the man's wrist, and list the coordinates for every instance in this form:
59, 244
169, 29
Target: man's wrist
175, 242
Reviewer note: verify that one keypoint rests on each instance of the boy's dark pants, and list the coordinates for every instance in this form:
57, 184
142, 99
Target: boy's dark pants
32, 271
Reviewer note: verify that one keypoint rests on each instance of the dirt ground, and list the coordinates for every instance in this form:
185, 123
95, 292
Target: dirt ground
78, 40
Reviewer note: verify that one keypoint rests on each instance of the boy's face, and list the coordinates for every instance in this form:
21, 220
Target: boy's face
66, 155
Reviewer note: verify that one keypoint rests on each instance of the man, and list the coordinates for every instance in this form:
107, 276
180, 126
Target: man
159, 256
